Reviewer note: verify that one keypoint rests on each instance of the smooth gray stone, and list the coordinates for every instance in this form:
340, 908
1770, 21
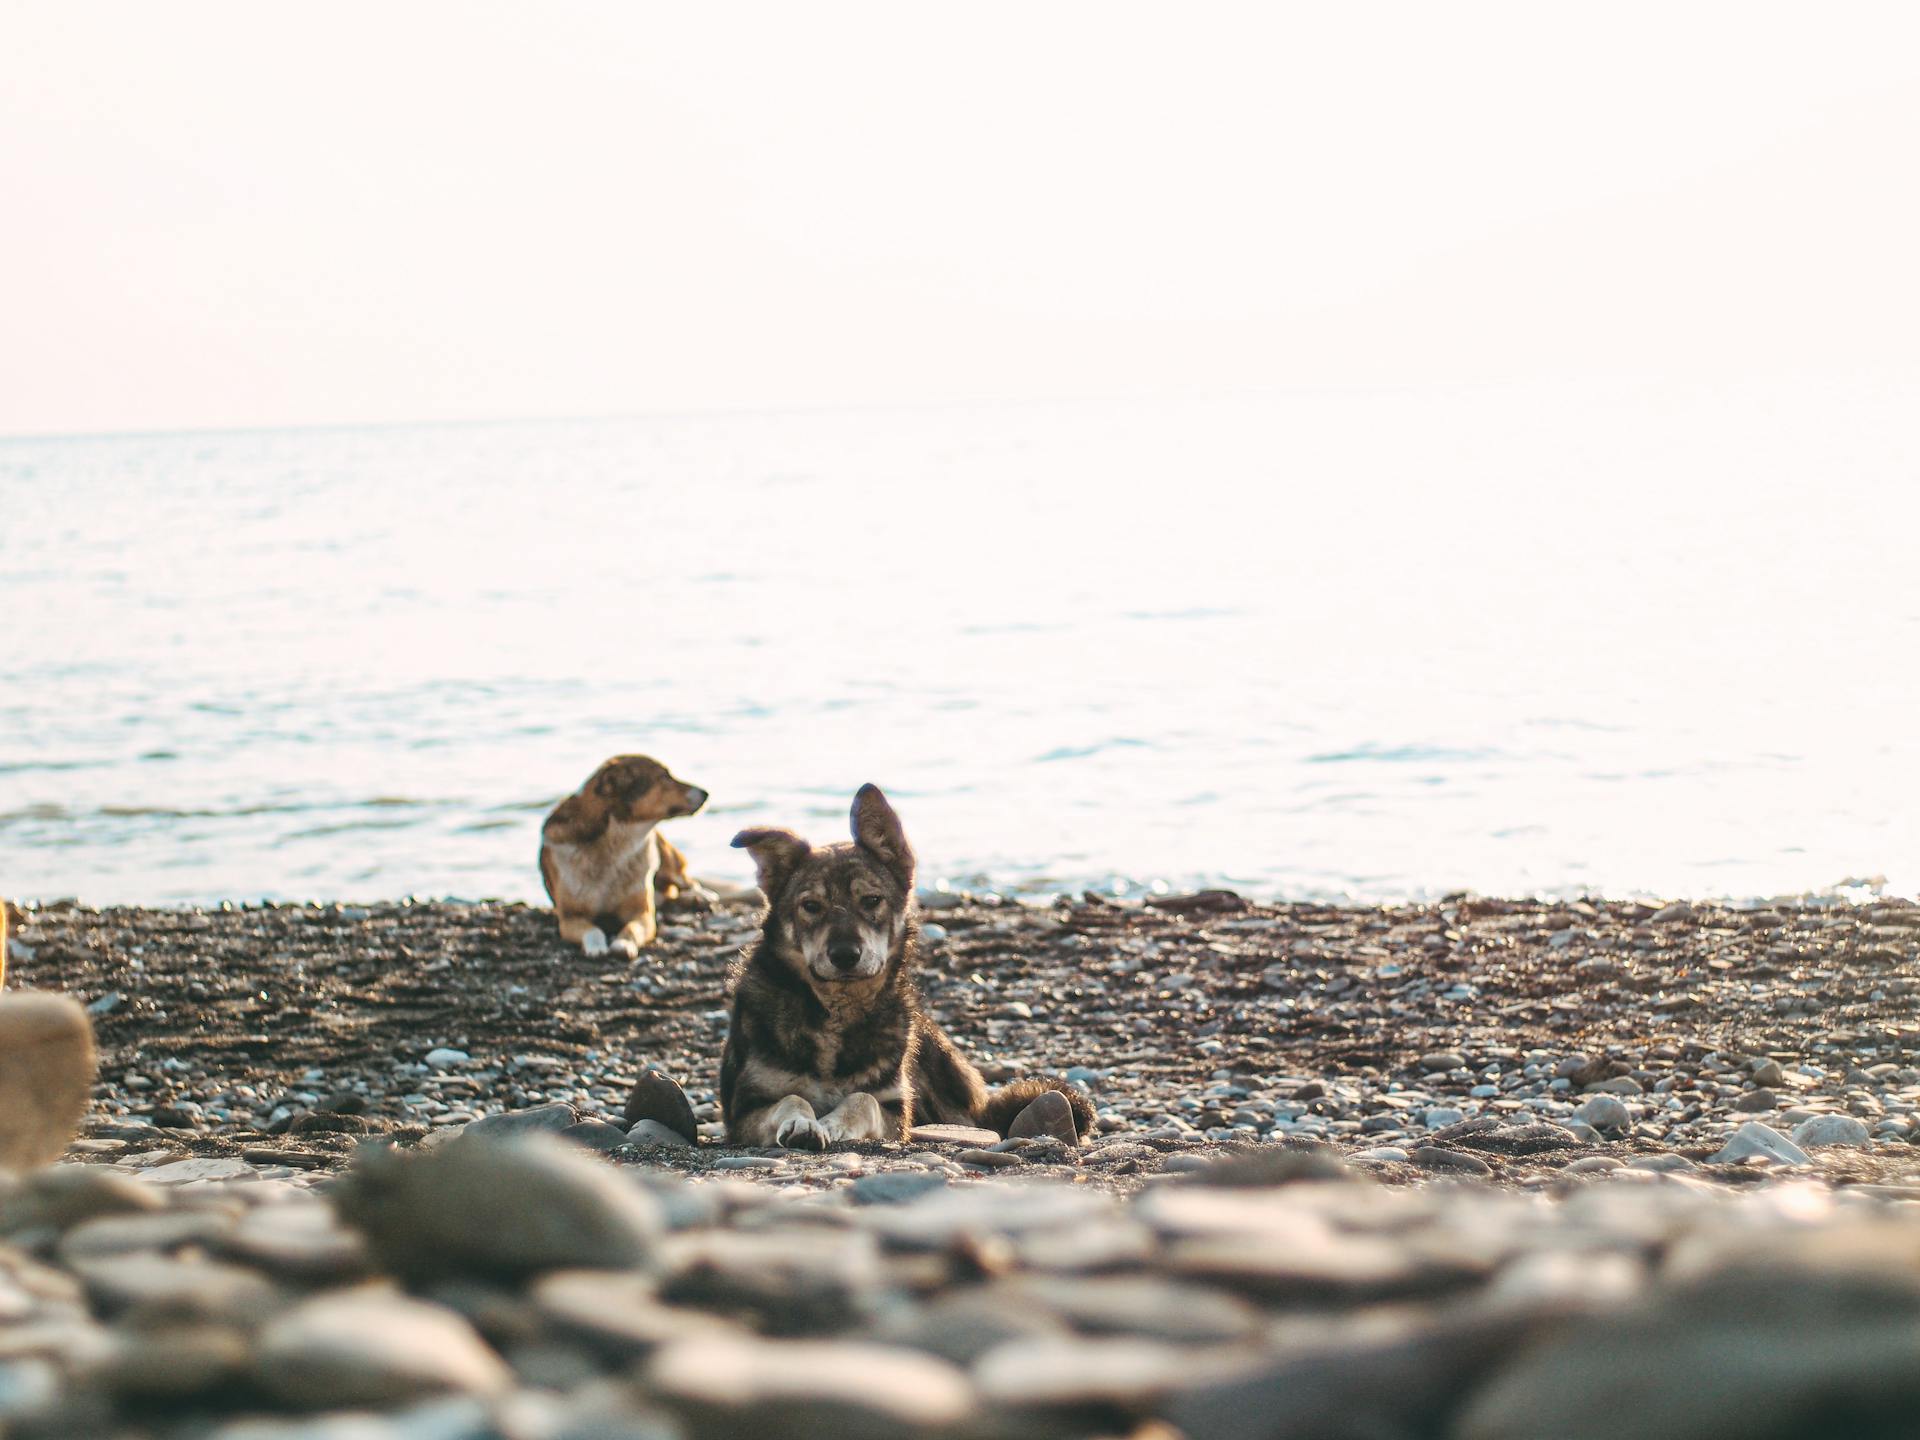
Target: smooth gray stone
658, 1098
1604, 1112
549, 1118
1823, 1130
895, 1187
1048, 1114
1773, 1349
1754, 1138
652, 1132
810, 1389
595, 1135
497, 1207
367, 1348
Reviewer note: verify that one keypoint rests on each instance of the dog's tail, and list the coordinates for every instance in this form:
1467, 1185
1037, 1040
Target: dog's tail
1006, 1103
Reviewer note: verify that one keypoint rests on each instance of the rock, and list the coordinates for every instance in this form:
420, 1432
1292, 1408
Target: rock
1144, 1307
505, 1207
1754, 1138
1438, 1117
1662, 1164
989, 1159
618, 1312
1282, 1164
1615, 1085
326, 1122
1114, 1374
64, 1195
445, 1056
795, 1280
211, 1167
896, 1187
1383, 1155
969, 1136
373, 1348
547, 1119
1769, 1073
963, 1325
810, 1390
656, 1097
1761, 1099
1777, 1351
1443, 1060
163, 1285
298, 1240
1048, 1114
163, 1230
1433, 1157
1824, 1130
1400, 1380
174, 1362
652, 1132
595, 1135
1604, 1112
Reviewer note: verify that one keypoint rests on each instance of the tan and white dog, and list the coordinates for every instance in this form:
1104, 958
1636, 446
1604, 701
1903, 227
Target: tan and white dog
605, 865
47, 1067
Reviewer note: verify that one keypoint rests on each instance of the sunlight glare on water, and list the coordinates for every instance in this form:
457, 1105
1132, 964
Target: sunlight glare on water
1379, 644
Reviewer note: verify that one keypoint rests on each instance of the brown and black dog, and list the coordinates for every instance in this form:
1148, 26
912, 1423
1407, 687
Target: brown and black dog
604, 863
826, 1041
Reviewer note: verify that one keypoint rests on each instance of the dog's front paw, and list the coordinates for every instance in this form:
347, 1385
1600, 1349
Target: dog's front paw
859, 1117
801, 1132
594, 942
625, 946
697, 897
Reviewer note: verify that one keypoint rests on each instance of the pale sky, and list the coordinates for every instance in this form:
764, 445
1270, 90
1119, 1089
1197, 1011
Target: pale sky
236, 214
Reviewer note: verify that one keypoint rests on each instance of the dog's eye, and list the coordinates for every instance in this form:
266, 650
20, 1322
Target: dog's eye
811, 909
871, 902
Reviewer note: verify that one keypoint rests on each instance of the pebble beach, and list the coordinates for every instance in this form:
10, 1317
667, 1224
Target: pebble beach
1463, 1169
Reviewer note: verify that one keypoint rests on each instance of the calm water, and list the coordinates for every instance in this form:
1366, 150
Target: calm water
1378, 644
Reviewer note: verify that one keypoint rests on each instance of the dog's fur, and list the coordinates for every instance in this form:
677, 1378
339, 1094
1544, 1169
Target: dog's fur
605, 865
827, 1041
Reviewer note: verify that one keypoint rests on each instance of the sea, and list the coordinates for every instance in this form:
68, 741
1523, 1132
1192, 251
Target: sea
1608, 638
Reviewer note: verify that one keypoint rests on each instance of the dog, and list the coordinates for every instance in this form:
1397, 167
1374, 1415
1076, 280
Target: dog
605, 865
47, 1069
826, 1040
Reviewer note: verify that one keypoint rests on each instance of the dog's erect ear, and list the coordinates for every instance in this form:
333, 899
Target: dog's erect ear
880, 834
775, 853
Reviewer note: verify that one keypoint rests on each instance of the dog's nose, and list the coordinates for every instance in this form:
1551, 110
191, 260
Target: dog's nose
844, 956
696, 797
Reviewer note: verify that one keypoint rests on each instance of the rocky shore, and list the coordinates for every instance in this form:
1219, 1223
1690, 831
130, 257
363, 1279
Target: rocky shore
1478, 1169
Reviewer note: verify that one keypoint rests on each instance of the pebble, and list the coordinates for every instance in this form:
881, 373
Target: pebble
811, 1390
1604, 1112
652, 1132
540, 1119
895, 1187
1761, 1099
1433, 1157
509, 1207
371, 1348
657, 1098
1755, 1139
1825, 1130
1048, 1114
